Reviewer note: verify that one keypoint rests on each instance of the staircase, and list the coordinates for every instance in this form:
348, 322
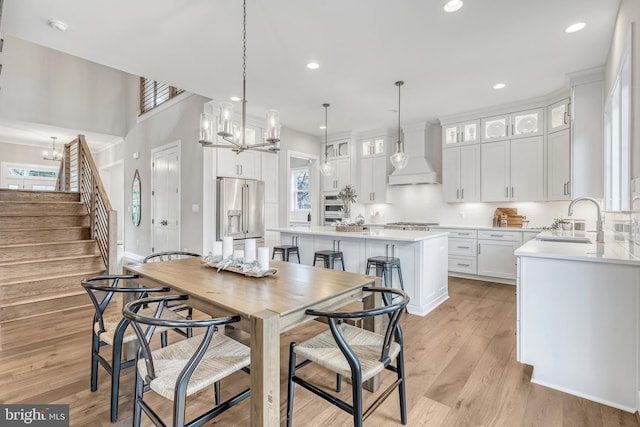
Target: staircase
45, 250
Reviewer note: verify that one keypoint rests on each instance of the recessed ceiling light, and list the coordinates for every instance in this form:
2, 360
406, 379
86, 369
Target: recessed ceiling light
499, 86
323, 127
313, 65
235, 98
58, 25
575, 27
452, 5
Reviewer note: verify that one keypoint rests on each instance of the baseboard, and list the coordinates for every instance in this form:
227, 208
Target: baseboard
130, 256
482, 278
584, 395
424, 310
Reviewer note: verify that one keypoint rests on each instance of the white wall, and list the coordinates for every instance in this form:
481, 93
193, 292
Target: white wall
41, 85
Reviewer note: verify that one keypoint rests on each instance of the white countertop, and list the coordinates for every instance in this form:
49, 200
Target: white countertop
379, 234
611, 251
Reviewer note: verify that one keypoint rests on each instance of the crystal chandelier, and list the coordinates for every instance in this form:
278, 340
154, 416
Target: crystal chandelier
236, 137
399, 160
55, 154
326, 169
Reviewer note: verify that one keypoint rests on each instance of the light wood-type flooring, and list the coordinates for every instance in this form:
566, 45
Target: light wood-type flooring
461, 371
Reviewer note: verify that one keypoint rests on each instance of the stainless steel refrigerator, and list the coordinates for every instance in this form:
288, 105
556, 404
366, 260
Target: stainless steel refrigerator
240, 208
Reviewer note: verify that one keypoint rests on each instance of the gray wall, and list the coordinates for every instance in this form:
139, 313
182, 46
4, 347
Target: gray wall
23, 154
179, 122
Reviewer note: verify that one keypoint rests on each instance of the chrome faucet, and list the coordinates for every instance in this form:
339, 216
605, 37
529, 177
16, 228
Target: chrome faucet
599, 232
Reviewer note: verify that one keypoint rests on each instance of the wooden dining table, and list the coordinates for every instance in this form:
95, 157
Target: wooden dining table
268, 306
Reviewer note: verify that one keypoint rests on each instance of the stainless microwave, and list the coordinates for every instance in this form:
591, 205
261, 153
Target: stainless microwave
332, 208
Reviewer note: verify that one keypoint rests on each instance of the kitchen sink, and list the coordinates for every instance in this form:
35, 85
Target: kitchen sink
562, 238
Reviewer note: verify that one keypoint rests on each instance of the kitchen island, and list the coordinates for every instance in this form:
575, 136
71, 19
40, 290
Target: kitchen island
423, 255
578, 318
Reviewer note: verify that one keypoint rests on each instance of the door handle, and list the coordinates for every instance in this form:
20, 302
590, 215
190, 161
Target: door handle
164, 222
506, 192
458, 193
462, 193
512, 192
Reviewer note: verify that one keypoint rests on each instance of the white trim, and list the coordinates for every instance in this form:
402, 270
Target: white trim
111, 145
112, 164
132, 256
314, 174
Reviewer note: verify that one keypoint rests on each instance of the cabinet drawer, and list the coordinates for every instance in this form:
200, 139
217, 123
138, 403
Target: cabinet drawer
511, 236
462, 264
459, 232
465, 247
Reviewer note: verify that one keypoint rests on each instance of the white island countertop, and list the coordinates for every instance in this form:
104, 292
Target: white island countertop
380, 234
612, 251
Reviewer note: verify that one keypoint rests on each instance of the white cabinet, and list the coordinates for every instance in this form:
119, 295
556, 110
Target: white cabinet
462, 250
559, 165
513, 170
515, 125
373, 179
463, 132
496, 253
353, 251
559, 116
242, 165
341, 175
405, 251
461, 173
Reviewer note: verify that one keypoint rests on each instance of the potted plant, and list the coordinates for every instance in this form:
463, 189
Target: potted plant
347, 196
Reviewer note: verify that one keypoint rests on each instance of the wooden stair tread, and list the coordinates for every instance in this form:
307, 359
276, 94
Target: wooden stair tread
81, 275
12, 302
66, 242
30, 230
35, 261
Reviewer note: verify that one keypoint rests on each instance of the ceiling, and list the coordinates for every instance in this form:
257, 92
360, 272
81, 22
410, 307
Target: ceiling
449, 61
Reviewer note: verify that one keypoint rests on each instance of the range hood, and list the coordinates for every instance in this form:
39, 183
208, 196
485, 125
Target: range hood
423, 146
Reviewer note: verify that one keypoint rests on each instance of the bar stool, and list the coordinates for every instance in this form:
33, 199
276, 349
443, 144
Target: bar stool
384, 266
285, 251
329, 257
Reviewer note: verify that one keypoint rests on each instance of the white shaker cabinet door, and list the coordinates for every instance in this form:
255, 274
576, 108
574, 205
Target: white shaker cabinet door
495, 162
527, 169
470, 173
559, 166
451, 174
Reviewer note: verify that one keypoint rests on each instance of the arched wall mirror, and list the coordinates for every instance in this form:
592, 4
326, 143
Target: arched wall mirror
135, 199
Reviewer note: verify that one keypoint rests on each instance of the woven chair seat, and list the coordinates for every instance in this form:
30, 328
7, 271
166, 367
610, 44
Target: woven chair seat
323, 350
111, 323
224, 357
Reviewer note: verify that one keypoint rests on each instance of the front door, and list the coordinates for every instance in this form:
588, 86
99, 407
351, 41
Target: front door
165, 198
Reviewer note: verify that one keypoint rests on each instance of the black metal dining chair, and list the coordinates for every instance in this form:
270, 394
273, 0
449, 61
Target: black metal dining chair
112, 329
186, 367
358, 353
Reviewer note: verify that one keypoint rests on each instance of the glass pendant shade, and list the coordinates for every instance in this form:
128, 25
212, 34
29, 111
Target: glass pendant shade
225, 125
273, 126
399, 160
326, 169
206, 128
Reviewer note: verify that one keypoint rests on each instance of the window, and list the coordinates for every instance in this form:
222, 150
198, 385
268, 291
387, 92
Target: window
18, 176
153, 93
300, 185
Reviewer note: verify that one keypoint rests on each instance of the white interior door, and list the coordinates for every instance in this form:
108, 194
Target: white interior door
165, 198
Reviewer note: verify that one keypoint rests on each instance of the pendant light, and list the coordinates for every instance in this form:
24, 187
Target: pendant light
55, 155
399, 160
226, 129
326, 169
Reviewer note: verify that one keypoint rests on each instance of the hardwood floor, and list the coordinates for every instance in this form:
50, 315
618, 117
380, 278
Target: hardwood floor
461, 371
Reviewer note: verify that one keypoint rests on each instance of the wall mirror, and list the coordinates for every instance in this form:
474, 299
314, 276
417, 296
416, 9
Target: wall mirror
135, 199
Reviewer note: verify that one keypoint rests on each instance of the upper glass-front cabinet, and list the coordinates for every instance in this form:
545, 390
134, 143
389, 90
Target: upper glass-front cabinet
465, 132
338, 148
559, 115
372, 146
527, 123
495, 128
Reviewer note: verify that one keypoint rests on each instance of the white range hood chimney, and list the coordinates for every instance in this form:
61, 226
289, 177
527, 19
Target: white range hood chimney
423, 146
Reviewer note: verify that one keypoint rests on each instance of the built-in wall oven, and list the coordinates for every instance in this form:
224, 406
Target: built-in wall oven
332, 209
